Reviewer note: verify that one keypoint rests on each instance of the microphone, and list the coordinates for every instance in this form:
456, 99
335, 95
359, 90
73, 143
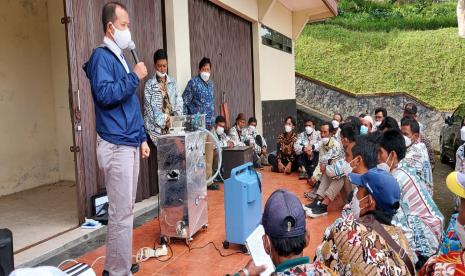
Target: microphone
132, 47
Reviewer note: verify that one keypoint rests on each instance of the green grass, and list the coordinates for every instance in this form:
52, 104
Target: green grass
364, 15
428, 64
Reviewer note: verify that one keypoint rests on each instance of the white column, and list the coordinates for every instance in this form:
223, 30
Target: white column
256, 46
177, 40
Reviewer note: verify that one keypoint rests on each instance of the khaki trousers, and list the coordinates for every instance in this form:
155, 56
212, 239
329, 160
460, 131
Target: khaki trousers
120, 167
329, 187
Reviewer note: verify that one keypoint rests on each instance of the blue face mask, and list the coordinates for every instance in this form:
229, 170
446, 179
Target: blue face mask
363, 130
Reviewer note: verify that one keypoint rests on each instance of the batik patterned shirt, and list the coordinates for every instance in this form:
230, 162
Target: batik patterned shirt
429, 148
250, 135
331, 151
449, 264
350, 248
416, 162
154, 115
199, 99
307, 140
285, 147
418, 216
236, 136
223, 138
450, 240
302, 267
460, 159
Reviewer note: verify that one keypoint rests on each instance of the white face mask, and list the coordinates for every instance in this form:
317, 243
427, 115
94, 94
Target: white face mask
288, 128
378, 123
355, 205
335, 123
347, 168
408, 141
385, 166
160, 74
122, 38
252, 128
219, 130
460, 231
205, 76
325, 140
462, 133
309, 130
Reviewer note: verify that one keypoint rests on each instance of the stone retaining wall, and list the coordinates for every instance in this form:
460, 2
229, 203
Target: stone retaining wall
325, 99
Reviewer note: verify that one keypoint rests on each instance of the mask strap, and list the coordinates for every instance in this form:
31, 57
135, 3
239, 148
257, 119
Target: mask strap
361, 201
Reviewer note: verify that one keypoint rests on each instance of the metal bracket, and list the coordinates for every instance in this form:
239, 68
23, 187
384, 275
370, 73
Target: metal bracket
74, 149
65, 20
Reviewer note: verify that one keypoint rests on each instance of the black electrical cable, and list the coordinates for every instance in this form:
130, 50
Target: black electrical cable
219, 251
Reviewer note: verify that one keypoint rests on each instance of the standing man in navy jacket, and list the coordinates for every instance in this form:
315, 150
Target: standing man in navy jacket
120, 128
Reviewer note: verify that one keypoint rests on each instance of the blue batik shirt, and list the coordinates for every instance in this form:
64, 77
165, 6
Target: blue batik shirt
198, 99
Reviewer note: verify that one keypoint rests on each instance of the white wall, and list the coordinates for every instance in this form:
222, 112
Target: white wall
277, 68
29, 152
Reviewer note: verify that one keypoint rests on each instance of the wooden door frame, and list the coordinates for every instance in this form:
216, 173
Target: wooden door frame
74, 107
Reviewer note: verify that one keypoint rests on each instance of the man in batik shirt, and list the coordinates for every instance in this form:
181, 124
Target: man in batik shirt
365, 242
416, 160
418, 216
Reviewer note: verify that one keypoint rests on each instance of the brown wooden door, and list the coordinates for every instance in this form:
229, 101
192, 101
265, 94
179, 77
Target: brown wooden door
84, 33
226, 39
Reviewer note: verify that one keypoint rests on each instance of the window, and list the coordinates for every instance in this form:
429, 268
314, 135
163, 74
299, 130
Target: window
276, 40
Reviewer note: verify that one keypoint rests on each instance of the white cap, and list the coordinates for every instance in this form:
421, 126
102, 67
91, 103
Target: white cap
369, 119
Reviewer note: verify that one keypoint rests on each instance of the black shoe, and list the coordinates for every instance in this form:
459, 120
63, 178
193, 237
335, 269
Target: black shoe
134, 270
312, 205
318, 211
303, 175
213, 187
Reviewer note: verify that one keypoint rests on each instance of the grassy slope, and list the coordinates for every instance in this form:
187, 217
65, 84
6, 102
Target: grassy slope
427, 64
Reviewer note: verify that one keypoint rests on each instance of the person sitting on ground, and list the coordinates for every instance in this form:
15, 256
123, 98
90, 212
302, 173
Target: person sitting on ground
252, 138
450, 240
235, 132
225, 142
306, 148
330, 152
285, 159
286, 236
389, 123
416, 159
365, 242
452, 263
418, 216
367, 125
349, 133
336, 122
380, 114
411, 111
460, 154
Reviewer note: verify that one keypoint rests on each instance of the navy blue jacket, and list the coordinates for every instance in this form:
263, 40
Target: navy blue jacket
118, 116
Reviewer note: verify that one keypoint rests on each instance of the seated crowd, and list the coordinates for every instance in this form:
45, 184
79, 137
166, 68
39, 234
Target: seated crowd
390, 224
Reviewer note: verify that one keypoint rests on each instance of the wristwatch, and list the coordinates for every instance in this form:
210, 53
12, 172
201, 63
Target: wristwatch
245, 271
